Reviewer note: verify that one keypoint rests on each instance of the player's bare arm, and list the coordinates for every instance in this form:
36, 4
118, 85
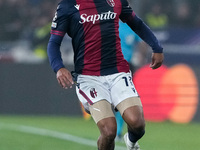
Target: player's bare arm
64, 78
157, 60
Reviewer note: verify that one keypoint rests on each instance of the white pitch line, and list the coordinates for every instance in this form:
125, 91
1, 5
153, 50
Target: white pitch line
51, 133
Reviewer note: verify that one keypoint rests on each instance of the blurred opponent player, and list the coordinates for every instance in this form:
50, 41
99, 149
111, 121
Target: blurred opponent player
103, 76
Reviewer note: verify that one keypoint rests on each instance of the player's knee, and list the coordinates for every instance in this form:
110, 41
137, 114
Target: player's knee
136, 122
108, 131
109, 135
134, 118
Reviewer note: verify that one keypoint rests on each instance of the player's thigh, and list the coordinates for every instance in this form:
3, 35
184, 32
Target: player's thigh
101, 110
130, 102
131, 110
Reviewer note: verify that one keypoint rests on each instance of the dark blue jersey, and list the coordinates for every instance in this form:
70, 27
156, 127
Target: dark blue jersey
93, 26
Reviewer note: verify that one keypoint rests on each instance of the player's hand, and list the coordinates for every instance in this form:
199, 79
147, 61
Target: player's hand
64, 78
157, 60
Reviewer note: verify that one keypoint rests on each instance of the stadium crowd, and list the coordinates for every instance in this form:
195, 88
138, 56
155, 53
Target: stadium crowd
20, 18
179, 13
30, 20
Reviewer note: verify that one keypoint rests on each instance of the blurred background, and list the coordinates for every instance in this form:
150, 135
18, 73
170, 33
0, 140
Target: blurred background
28, 85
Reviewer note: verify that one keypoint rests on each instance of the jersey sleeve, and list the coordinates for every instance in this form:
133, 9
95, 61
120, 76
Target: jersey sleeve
58, 29
127, 12
60, 21
145, 33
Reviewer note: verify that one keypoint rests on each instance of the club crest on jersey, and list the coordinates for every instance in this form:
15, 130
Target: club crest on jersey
111, 3
93, 92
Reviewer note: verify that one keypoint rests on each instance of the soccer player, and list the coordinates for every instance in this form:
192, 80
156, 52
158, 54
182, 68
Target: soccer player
103, 76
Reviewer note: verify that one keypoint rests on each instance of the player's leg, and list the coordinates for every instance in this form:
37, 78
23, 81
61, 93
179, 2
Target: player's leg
125, 98
132, 113
95, 97
103, 115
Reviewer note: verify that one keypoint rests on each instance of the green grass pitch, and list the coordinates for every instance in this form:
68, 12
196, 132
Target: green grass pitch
75, 133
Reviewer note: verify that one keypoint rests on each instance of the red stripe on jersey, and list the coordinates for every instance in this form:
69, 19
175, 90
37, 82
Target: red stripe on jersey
86, 97
92, 39
55, 32
122, 64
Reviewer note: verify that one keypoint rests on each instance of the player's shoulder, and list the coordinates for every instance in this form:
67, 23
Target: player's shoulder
67, 3
66, 6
